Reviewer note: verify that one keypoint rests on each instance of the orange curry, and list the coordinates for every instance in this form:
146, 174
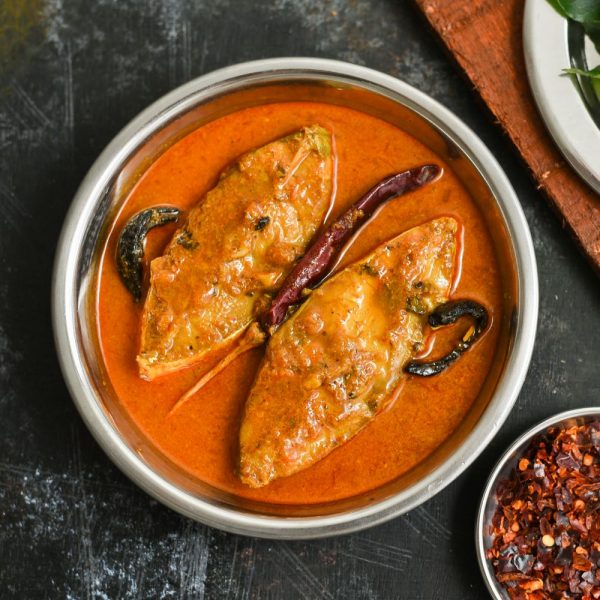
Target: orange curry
203, 436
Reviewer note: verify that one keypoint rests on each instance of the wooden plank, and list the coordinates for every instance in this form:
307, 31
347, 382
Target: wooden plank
485, 38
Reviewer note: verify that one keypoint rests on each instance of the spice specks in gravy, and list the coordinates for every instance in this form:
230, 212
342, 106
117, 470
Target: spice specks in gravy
202, 437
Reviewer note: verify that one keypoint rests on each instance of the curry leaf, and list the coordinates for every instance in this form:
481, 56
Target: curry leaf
593, 32
557, 7
593, 74
584, 11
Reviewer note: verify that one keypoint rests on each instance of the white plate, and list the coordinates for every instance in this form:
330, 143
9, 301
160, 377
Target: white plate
545, 39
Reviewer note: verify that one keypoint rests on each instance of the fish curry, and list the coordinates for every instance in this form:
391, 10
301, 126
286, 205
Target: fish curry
321, 408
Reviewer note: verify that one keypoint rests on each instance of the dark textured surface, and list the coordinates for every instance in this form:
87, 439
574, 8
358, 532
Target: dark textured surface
71, 526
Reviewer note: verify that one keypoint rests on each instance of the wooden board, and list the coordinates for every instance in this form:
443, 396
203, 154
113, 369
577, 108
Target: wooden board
485, 38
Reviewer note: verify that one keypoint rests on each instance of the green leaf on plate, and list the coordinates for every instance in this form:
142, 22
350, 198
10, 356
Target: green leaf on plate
584, 11
593, 32
593, 74
558, 8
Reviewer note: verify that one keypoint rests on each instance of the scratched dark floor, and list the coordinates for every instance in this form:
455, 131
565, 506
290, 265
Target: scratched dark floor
71, 526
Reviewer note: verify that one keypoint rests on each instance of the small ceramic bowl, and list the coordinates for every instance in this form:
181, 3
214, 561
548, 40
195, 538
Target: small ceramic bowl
489, 502
200, 101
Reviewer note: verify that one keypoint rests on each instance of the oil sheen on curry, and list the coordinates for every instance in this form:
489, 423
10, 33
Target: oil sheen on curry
298, 303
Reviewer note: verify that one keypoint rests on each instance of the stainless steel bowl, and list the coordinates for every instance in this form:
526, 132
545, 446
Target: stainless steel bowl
203, 100
502, 470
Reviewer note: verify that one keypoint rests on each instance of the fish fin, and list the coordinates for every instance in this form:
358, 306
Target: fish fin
253, 338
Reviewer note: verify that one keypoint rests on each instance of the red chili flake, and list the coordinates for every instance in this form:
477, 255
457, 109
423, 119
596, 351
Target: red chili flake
546, 529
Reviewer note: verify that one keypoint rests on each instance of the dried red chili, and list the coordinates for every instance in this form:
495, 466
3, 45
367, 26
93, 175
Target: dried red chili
546, 529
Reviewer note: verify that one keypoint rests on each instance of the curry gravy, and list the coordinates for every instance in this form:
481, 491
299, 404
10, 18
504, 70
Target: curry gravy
202, 437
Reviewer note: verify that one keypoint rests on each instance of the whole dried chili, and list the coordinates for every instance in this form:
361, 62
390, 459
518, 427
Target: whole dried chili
315, 264
317, 261
546, 529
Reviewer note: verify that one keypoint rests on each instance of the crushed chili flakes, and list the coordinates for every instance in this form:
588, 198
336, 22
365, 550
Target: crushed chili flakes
546, 529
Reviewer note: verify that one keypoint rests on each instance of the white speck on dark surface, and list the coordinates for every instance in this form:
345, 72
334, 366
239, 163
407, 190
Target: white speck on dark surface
71, 525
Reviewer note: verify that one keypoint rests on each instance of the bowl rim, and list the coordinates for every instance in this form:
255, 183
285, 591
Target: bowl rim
492, 584
64, 305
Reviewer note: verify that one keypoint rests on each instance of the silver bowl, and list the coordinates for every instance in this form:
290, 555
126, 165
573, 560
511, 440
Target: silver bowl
202, 100
489, 502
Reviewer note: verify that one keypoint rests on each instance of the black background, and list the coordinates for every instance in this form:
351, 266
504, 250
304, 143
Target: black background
71, 525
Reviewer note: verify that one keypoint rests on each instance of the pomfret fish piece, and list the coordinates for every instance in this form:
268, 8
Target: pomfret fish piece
238, 244
335, 363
